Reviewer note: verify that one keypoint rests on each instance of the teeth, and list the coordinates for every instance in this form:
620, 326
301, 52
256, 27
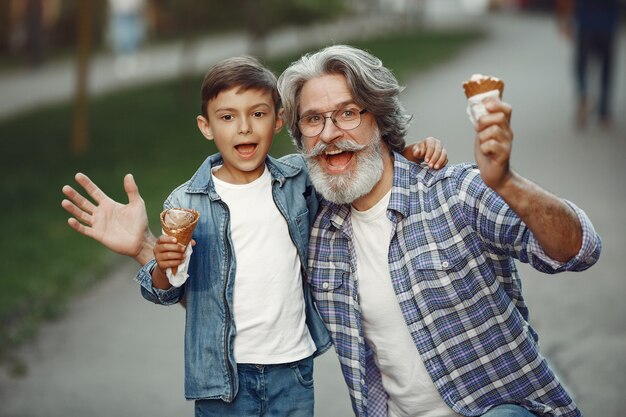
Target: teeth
334, 152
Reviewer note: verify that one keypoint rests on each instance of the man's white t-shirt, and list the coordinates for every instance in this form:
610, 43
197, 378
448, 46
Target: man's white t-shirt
405, 379
269, 309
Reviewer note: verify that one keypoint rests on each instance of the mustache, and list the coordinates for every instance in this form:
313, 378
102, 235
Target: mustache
345, 145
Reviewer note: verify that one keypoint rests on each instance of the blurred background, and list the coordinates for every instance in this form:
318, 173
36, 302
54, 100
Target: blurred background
111, 87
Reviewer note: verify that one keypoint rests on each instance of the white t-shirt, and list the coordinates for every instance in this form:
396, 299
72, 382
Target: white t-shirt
269, 310
405, 379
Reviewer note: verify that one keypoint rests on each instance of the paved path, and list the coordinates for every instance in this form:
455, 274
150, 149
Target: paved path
114, 355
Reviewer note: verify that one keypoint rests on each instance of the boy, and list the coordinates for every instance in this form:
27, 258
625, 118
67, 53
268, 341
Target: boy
251, 327
251, 245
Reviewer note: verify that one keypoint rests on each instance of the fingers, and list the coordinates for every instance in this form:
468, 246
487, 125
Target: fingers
494, 149
169, 240
431, 150
492, 119
92, 189
495, 125
419, 150
130, 186
80, 214
168, 253
80, 228
497, 106
442, 160
77, 200
495, 141
494, 131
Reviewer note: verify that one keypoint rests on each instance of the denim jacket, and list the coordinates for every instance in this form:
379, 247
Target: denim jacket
210, 368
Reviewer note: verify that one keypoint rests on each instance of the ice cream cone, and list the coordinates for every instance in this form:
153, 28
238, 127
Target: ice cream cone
479, 83
179, 223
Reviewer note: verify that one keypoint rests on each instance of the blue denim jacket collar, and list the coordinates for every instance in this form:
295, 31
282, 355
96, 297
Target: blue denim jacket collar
202, 181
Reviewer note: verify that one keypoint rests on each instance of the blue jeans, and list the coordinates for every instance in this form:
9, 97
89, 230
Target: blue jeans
267, 390
508, 410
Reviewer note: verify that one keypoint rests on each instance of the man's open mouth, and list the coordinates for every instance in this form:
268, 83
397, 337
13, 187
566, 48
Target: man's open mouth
337, 158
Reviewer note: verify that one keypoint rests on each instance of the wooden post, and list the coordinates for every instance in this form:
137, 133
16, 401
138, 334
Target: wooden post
80, 139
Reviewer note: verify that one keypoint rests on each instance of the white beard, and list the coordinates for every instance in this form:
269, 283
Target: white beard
348, 187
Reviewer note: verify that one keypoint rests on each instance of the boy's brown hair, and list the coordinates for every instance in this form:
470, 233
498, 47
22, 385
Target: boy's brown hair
244, 72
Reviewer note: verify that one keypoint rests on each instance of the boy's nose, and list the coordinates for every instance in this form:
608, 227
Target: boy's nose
245, 127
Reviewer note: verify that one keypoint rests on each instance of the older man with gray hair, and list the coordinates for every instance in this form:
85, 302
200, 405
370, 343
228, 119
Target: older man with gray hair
413, 269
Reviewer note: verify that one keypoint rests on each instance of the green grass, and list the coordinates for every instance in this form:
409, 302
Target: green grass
149, 131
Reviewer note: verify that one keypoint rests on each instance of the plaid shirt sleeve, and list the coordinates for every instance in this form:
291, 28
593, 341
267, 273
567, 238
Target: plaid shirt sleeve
589, 251
502, 229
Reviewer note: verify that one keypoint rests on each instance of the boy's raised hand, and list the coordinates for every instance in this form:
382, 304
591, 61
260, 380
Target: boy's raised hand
429, 150
123, 228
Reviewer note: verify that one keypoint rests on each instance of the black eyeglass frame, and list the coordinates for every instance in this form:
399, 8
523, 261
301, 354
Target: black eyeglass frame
333, 119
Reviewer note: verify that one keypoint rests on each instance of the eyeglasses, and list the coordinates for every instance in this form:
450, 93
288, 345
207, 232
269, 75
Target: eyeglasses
345, 119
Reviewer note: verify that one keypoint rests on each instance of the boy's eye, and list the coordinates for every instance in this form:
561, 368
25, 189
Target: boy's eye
227, 117
258, 114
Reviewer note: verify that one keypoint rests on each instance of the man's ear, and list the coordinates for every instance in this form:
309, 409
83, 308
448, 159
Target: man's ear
204, 127
280, 120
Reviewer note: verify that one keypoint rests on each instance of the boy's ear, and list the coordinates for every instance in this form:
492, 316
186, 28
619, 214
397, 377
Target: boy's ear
205, 127
280, 120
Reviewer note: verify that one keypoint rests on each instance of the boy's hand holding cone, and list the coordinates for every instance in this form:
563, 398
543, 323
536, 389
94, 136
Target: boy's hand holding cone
179, 223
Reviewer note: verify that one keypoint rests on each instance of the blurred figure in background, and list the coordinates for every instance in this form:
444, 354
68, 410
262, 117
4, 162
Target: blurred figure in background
127, 29
592, 25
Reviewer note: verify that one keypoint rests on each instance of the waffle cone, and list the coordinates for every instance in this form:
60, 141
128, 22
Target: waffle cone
182, 233
481, 84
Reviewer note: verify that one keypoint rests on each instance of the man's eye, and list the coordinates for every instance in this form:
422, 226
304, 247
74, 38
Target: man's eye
348, 114
312, 119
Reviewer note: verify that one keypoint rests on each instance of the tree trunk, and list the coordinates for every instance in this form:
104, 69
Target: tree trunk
6, 26
80, 140
34, 32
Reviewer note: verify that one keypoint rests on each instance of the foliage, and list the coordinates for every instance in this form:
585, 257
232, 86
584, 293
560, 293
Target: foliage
167, 19
255, 16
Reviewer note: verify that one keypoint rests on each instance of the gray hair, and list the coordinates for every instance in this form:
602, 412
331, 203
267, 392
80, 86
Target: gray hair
372, 86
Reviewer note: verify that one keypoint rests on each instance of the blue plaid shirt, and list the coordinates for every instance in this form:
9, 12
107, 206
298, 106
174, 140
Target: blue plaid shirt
451, 261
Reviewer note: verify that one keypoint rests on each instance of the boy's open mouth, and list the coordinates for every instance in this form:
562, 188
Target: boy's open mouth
246, 149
